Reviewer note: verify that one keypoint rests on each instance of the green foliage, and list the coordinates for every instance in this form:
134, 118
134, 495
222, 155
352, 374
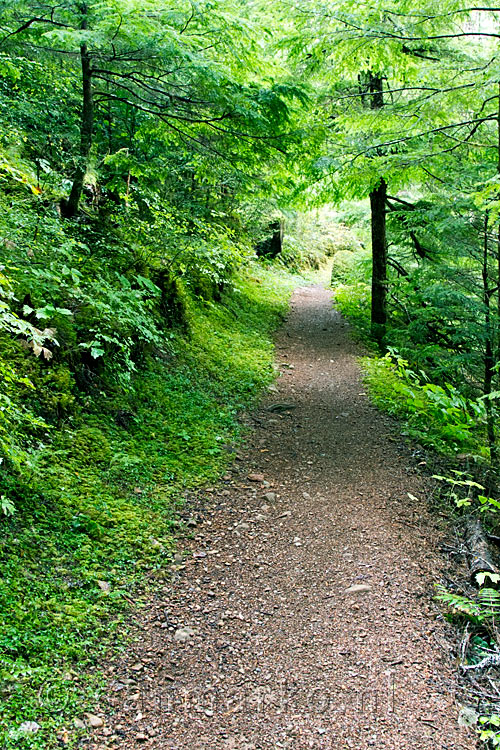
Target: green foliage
351, 268
480, 612
467, 493
460, 489
484, 608
311, 238
354, 302
16, 419
437, 416
489, 732
103, 502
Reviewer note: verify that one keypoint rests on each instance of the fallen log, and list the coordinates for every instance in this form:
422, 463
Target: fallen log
481, 558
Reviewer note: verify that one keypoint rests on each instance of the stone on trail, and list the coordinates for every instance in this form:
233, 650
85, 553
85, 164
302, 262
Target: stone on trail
270, 497
94, 721
358, 588
281, 407
256, 477
467, 717
183, 635
242, 527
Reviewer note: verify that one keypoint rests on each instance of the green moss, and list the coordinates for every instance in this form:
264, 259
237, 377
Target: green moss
174, 302
103, 497
56, 393
89, 445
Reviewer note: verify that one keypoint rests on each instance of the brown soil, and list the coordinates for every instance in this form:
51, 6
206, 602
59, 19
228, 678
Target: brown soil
279, 654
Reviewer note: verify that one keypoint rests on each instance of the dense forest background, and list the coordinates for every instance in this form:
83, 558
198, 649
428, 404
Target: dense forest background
150, 156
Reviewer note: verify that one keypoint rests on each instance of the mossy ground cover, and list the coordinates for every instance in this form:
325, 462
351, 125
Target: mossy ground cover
100, 509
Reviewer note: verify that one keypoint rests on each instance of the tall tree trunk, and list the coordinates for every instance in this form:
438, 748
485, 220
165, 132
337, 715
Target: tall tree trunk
376, 88
498, 244
378, 198
489, 359
69, 207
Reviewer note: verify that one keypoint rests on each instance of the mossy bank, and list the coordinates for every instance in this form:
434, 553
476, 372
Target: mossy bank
97, 517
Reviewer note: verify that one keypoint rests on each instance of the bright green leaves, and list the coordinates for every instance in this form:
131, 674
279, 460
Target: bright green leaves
437, 417
439, 86
189, 74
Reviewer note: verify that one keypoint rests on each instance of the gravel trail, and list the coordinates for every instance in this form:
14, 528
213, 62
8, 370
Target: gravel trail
304, 617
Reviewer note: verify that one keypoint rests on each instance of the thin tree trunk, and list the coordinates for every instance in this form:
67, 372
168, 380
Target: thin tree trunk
110, 124
489, 357
69, 208
378, 198
498, 306
376, 86
498, 244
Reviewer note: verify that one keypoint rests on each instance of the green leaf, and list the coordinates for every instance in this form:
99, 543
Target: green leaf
7, 506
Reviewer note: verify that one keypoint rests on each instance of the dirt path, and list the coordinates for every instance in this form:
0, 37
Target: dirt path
258, 644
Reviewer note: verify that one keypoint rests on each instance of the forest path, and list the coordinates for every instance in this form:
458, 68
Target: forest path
258, 643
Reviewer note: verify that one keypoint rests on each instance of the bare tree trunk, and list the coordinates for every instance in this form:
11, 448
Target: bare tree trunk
376, 87
69, 207
498, 306
498, 244
378, 198
271, 247
489, 357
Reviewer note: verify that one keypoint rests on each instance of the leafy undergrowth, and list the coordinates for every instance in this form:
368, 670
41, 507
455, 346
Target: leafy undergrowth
353, 300
439, 417
100, 512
